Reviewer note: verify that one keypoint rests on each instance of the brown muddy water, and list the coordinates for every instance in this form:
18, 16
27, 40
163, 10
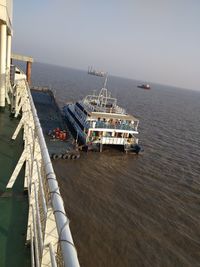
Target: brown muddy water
128, 210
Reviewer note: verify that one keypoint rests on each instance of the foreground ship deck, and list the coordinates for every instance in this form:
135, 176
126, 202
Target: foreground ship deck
53, 125
34, 228
13, 202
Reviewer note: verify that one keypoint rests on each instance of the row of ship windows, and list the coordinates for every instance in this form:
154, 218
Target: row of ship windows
109, 134
101, 124
115, 121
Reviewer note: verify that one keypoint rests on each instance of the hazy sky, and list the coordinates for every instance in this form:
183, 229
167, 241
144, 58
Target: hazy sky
149, 40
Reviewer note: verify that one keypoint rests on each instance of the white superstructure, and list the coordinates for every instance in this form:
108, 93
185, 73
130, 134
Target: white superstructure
98, 120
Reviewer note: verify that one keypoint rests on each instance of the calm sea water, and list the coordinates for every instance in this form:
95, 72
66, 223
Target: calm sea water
128, 210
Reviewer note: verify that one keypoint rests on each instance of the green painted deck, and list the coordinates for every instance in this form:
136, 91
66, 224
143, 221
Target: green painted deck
13, 202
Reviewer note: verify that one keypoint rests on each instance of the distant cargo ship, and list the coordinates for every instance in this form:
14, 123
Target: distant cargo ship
92, 71
144, 86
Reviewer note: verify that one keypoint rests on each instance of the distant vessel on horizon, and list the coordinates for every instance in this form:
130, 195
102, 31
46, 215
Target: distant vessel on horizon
144, 86
92, 71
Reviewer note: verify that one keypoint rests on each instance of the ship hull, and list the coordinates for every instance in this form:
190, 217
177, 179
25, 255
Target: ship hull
75, 129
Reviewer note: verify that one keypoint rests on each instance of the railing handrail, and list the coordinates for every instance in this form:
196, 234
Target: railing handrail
69, 252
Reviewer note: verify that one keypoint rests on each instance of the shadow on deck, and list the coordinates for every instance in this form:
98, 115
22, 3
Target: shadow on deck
13, 202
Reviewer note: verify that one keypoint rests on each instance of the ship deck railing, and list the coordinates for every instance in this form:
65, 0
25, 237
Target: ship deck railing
95, 107
48, 231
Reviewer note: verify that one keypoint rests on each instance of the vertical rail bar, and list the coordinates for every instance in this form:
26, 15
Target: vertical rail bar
37, 258
42, 190
38, 220
52, 254
32, 250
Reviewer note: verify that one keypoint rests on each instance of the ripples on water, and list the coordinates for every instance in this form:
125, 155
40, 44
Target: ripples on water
130, 210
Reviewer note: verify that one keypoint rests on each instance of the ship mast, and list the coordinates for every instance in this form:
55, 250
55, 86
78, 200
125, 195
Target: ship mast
105, 82
103, 95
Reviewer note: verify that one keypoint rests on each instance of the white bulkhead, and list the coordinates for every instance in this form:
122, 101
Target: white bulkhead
5, 46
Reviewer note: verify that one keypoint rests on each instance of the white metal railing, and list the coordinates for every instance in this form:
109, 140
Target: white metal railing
108, 125
48, 229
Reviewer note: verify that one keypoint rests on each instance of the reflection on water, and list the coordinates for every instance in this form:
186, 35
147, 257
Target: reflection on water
130, 210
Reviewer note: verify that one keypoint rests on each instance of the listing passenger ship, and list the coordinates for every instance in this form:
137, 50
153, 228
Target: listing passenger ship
97, 120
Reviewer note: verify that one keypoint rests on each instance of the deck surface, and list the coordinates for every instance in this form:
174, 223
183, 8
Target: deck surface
13, 202
51, 118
